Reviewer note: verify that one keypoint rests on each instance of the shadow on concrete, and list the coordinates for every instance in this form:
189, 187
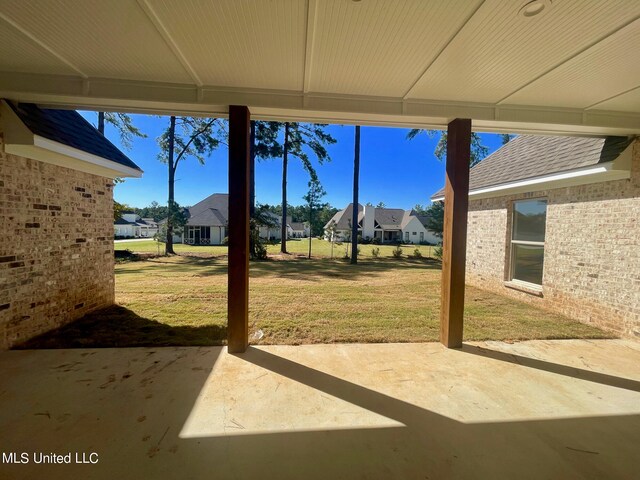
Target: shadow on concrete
134, 424
429, 445
558, 369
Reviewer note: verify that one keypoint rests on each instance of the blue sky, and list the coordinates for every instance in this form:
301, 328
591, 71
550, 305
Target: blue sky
393, 170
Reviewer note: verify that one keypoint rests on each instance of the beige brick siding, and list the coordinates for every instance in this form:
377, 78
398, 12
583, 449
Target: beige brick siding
56, 246
592, 250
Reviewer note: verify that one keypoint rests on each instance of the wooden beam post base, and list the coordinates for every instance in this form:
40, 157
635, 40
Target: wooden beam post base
238, 269
454, 239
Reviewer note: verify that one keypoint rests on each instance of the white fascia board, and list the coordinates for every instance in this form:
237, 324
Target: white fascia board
137, 96
20, 141
580, 176
95, 160
47, 156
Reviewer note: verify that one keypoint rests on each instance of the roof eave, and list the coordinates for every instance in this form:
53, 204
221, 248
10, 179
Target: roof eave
20, 140
602, 172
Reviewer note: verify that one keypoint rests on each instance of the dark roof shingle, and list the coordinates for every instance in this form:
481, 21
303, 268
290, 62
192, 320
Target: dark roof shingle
530, 156
69, 128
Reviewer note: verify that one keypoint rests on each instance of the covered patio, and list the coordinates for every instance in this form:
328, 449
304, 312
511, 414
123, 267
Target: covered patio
532, 410
544, 409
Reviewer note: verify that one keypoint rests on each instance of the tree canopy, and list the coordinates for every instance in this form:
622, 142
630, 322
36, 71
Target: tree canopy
478, 150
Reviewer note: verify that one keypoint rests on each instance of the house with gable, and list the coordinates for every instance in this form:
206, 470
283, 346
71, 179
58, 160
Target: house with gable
131, 225
380, 225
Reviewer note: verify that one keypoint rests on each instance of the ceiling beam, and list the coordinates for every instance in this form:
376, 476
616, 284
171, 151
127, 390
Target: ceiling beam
42, 45
168, 39
187, 99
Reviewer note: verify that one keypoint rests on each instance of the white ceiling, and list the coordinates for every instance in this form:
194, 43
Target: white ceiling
572, 69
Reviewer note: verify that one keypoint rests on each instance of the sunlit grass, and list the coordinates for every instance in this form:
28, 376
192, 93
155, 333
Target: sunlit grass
182, 300
298, 246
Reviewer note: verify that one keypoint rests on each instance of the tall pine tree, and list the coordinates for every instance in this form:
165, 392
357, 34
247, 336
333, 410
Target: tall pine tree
186, 137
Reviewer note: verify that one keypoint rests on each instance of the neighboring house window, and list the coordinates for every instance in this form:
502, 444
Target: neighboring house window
527, 240
422, 236
413, 233
406, 236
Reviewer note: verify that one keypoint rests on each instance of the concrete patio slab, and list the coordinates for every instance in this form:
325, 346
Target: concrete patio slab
543, 409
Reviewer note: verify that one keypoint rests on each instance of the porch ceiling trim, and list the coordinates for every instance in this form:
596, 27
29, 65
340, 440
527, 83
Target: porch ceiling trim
164, 98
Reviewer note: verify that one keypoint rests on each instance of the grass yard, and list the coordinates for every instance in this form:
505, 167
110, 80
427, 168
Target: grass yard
319, 248
181, 300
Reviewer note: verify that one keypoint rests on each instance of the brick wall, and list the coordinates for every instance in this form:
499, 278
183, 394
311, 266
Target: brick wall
592, 250
56, 246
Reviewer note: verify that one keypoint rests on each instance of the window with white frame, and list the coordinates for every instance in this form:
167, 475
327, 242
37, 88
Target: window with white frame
406, 236
527, 240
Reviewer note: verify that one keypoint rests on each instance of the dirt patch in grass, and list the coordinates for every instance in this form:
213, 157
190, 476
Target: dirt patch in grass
182, 300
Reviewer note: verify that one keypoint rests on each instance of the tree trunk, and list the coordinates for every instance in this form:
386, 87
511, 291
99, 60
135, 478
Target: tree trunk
252, 191
310, 227
252, 169
101, 122
172, 172
283, 230
354, 216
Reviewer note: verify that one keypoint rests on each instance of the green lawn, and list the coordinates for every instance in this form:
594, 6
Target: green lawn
181, 300
319, 248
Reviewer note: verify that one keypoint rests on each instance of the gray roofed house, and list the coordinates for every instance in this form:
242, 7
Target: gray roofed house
208, 219
298, 229
343, 217
555, 221
383, 225
131, 225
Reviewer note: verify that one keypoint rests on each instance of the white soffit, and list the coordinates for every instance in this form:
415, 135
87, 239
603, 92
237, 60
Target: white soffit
609, 66
499, 51
112, 39
625, 102
243, 44
570, 70
388, 51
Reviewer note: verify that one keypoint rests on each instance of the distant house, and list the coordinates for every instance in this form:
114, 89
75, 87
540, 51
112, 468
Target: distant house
298, 230
384, 225
270, 230
207, 221
132, 225
556, 221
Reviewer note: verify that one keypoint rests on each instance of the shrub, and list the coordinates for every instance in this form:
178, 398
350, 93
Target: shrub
375, 251
437, 252
417, 253
225, 241
397, 252
376, 241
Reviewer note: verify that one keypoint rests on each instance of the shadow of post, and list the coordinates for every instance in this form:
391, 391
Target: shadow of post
557, 368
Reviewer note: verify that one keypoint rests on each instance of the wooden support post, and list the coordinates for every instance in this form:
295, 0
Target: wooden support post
454, 244
238, 286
